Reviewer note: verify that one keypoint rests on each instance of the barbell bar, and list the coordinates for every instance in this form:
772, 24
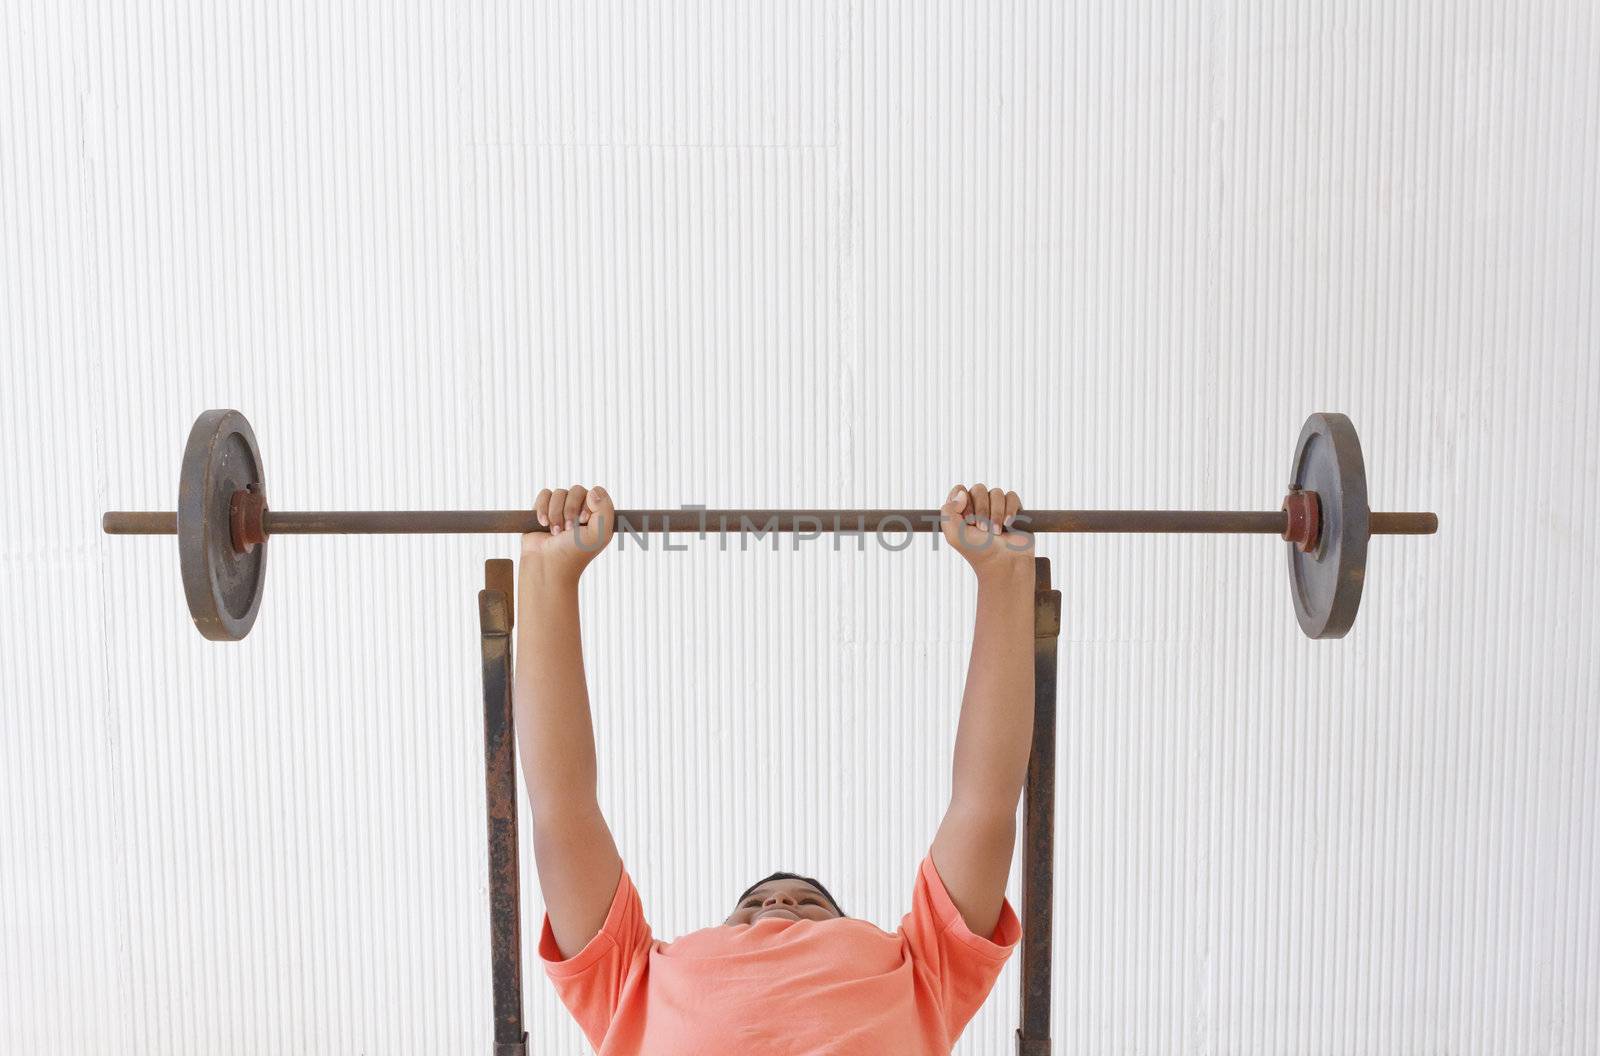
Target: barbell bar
223, 523
697, 519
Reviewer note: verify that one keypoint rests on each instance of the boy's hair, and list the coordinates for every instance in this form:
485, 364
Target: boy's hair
793, 876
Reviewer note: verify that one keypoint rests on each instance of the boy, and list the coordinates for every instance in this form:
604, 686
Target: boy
787, 972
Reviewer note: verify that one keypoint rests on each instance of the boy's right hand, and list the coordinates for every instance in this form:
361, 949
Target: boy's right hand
581, 522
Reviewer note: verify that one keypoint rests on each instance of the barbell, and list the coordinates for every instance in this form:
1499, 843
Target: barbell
223, 523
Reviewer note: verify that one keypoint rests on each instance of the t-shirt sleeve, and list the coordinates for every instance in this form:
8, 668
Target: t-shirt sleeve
593, 982
956, 965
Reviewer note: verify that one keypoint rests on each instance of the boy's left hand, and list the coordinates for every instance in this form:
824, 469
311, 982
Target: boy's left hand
979, 525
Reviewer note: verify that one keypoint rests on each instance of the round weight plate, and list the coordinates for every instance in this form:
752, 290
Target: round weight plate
1326, 583
223, 587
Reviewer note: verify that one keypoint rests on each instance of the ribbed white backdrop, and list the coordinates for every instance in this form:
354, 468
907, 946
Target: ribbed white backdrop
830, 254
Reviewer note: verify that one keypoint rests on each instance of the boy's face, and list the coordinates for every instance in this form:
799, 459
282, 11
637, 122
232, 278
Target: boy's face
782, 900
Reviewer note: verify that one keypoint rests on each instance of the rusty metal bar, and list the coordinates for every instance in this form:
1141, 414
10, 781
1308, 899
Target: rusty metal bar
640, 522
496, 615
1038, 824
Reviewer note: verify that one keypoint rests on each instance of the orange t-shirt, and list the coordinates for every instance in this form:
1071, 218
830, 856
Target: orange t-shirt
842, 987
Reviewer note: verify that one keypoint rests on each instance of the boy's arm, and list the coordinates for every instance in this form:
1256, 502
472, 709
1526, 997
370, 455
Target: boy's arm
573, 850
973, 847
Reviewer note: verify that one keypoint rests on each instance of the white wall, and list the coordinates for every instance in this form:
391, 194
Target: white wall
842, 254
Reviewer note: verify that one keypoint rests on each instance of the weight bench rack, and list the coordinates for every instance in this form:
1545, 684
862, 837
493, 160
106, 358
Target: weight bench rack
496, 615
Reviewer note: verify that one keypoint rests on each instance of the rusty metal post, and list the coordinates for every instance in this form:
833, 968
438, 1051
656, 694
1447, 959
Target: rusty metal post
496, 616
1038, 826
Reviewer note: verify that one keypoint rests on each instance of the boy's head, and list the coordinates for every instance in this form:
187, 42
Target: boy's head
784, 896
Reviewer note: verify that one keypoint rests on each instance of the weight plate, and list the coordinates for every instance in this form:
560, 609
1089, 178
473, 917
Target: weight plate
1326, 583
223, 587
